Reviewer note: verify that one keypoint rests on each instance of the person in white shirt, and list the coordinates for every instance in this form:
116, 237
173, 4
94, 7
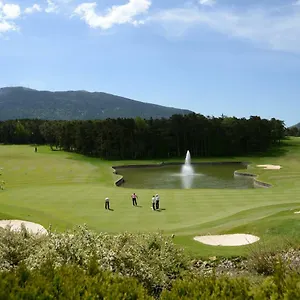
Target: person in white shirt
106, 203
157, 201
153, 202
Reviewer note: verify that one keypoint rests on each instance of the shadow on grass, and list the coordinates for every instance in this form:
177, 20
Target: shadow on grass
160, 209
272, 152
275, 151
278, 151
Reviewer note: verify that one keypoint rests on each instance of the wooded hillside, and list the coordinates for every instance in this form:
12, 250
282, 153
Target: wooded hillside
22, 103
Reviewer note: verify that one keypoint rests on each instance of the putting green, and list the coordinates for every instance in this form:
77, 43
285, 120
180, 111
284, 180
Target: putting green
65, 189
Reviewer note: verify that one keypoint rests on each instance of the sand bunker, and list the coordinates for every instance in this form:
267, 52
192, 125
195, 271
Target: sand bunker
227, 239
297, 212
269, 167
16, 226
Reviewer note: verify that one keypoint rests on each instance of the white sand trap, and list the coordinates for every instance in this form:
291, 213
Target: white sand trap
269, 167
297, 212
16, 226
227, 239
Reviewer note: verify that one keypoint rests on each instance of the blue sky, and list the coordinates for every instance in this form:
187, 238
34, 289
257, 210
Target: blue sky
235, 57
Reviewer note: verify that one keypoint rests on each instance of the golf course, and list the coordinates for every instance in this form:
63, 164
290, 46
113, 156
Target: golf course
65, 189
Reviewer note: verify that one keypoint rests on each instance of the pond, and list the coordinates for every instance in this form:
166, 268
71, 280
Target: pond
206, 176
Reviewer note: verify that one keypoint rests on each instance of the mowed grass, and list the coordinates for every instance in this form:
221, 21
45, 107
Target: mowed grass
66, 189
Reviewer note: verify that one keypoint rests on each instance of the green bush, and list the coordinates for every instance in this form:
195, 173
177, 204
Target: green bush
282, 285
67, 282
288, 289
209, 288
72, 282
265, 259
153, 259
82, 264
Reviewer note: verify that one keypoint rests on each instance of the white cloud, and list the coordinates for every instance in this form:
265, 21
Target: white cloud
117, 14
10, 11
6, 26
277, 29
34, 8
52, 7
207, 2
138, 22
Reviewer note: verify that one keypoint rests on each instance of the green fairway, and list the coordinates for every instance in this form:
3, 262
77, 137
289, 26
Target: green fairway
65, 189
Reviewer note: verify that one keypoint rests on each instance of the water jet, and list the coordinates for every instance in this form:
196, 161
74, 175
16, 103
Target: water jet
187, 172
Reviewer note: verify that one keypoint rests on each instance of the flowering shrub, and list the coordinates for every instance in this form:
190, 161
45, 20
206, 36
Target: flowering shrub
82, 264
15, 247
150, 258
264, 260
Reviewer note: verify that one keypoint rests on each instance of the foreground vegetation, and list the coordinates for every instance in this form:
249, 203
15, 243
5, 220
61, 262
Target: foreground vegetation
82, 264
70, 282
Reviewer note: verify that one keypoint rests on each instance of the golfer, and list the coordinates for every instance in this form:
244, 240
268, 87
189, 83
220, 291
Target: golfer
134, 197
2, 183
153, 202
157, 201
106, 203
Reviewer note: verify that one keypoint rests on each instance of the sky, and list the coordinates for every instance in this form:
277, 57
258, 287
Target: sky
233, 57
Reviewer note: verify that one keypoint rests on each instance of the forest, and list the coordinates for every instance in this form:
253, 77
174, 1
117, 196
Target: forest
137, 138
293, 131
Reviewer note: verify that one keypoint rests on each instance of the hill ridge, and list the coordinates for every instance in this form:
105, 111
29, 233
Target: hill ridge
296, 125
26, 103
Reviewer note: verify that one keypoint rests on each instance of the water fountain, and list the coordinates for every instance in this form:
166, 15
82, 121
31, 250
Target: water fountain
184, 175
187, 172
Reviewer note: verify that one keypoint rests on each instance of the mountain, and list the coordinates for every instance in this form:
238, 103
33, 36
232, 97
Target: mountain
24, 103
297, 125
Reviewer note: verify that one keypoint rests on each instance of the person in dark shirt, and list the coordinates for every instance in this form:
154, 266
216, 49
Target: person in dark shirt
106, 203
157, 201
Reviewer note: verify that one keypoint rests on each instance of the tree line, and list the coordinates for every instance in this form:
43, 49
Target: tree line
293, 131
128, 138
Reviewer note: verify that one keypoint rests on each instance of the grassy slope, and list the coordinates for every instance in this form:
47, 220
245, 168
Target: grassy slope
66, 189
